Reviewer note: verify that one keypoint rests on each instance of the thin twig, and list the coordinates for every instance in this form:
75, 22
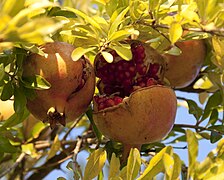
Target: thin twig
213, 31
77, 149
71, 128
20, 158
196, 127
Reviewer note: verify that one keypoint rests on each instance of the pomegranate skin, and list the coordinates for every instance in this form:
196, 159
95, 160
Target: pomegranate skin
67, 78
183, 69
146, 116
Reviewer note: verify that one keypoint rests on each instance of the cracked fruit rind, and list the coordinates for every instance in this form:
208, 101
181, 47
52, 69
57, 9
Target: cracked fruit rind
146, 116
183, 69
72, 83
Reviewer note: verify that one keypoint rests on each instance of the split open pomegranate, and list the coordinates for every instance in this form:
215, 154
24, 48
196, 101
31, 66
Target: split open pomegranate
72, 83
133, 107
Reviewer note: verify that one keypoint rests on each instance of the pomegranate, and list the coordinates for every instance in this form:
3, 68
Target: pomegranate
72, 84
183, 69
134, 107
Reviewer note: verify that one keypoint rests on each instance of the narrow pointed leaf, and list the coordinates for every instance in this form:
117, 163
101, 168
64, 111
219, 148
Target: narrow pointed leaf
175, 32
176, 167
123, 51
168, 165
133, 165
54, 148
79, 52
192, 151
118, 20
95, 164
114, 166
155, 165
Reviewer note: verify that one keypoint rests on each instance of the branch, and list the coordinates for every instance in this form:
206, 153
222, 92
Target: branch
196, 127
212, 32
18, 161
77, 170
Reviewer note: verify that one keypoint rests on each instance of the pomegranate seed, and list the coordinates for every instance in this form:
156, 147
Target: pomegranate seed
117, 100
151, 82
110, 102
101, 106
141, 69
154, 69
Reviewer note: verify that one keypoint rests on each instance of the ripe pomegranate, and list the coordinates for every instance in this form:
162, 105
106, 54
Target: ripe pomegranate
134, 107
123, 77
183, 69
72, 84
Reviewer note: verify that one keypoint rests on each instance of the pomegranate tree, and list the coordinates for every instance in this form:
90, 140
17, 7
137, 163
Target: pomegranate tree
72, 84
134, 106
183, 69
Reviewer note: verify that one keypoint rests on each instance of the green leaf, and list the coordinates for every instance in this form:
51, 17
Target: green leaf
174, 51
19, 100
86, 18
176, 167
124, 51
175, 32
107, 56
2, 71
95, 164
29, 149
219, 128
213, 101
64, 13
155, 165
6, 146
194, 109
80, 51
192, 152
215, 136
89, 114
7, 91
16, 119
61, 178
213, 117
36, 82
55, 147
37, 129
118, 20
120, 35
114, 167
133, 164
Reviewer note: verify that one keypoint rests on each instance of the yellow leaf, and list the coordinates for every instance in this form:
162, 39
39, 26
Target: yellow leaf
176, 167
175, 32
168, 164
134, 163
29, 149
192, 151
95, 164
155, 165
79, 52
114, 166
107, 56
54, 148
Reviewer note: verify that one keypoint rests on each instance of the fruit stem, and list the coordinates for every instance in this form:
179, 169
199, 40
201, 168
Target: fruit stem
126, 150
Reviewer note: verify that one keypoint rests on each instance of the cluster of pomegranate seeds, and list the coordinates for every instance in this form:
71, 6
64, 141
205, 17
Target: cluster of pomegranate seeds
122, 77
105, 101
